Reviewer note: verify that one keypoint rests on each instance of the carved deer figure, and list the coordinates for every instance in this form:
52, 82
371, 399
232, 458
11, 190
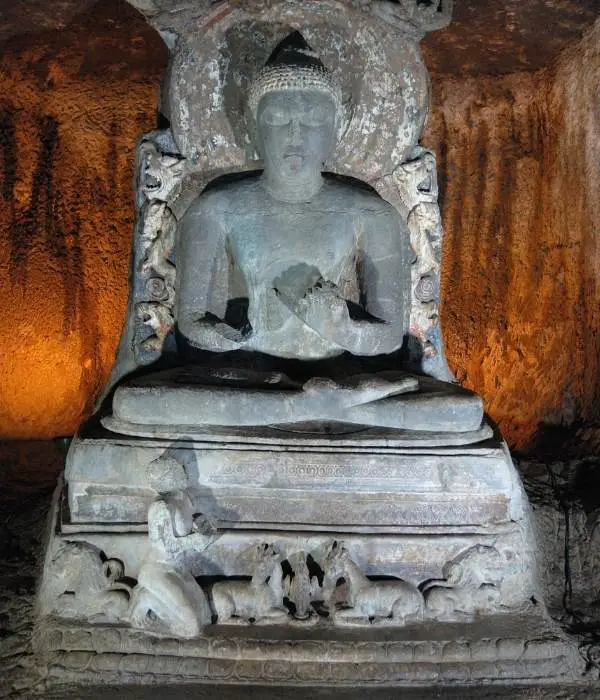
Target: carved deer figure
394, 602
258, 600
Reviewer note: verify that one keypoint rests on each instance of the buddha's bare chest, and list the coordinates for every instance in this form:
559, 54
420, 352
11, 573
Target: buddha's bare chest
266, 245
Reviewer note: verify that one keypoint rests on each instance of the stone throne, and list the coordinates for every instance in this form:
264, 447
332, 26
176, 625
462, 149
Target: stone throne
385, 539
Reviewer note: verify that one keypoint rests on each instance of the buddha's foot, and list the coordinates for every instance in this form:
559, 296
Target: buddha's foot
363, 389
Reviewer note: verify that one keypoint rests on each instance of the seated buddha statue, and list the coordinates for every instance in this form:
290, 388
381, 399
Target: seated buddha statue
293, 287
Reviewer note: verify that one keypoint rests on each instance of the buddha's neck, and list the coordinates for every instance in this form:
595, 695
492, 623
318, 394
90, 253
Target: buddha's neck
293, 189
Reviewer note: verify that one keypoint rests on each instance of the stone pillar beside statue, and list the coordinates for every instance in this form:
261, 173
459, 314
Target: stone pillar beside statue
283, 482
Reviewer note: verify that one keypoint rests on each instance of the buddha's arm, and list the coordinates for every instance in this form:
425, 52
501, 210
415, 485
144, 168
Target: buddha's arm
202, 282
385, 284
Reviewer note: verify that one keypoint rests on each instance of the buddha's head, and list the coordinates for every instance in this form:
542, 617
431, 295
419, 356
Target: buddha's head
296, 106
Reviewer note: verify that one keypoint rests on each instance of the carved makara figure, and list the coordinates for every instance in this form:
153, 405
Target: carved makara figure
470, 588
393, 602
83, 585
160, 173
290, 271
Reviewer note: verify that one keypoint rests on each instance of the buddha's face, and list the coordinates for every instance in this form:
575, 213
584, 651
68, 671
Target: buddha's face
296, 130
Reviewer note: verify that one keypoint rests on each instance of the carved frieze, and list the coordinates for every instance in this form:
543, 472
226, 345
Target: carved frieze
282, 587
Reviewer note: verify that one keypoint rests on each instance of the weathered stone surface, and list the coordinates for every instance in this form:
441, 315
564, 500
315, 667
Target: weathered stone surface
24, 505
493, 37
358, 482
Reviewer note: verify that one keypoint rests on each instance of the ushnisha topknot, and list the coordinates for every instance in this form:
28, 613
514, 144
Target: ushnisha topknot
293, 65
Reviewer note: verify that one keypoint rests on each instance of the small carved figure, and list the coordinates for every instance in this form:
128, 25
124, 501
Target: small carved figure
425, 226
416, 181
83, 585
470, 588
167, 597
257, 600
300, 587
158, 240
393, 602
159, 318
161, 173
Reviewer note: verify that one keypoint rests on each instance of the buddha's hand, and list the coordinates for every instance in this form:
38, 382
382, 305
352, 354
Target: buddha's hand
215, 334
321, 308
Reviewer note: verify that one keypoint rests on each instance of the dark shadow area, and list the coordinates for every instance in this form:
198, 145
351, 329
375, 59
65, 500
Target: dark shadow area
565, 442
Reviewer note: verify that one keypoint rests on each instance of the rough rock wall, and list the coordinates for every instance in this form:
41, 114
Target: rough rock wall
520, 180
518, 159
72, 104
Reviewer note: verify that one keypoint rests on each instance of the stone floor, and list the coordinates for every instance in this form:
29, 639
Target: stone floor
566, 501
286, 693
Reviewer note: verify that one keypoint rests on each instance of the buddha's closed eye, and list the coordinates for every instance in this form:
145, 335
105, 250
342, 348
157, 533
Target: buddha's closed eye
276, 116
317, 116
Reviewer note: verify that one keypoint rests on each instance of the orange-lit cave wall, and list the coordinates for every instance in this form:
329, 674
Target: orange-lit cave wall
519, 161
519, 170
72, 104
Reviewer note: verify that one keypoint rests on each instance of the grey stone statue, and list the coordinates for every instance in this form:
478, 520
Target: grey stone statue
303, 249
223, 491
291, 264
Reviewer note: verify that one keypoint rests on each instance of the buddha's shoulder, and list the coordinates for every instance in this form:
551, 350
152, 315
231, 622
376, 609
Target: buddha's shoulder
351, 196
226, 196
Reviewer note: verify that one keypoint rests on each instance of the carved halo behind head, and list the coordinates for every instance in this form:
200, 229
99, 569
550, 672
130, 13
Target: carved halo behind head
383, 82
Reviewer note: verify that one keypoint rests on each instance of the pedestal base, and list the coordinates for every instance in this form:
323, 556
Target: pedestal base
317, 560
499, 651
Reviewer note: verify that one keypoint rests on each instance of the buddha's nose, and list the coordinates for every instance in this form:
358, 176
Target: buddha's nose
294, 131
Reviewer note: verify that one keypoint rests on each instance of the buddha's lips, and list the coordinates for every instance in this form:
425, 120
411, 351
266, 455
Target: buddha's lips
293, 153
293, 158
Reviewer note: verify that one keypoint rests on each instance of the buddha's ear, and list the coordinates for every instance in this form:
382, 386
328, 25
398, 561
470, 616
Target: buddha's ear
253, 154
251, 137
